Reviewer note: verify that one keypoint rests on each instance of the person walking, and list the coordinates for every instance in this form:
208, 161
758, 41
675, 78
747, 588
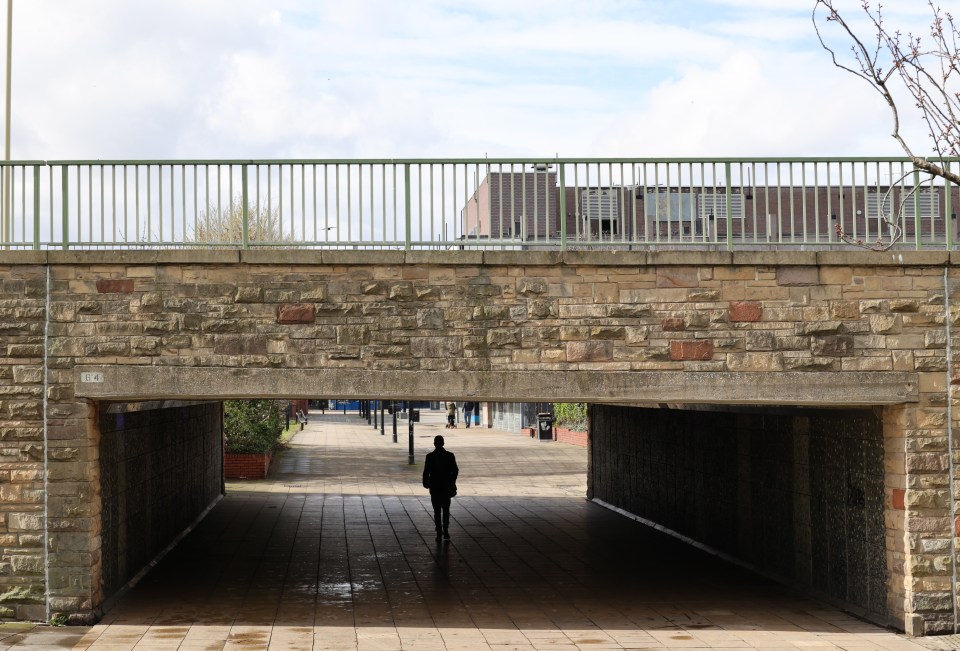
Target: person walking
451, 415
467, 413
440, 473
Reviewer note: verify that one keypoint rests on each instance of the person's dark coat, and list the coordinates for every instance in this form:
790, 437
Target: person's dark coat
440, 473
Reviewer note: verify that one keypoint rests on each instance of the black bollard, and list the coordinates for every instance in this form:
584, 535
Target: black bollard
410, 438
394, 422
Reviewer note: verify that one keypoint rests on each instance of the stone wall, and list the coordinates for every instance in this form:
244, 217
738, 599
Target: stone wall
797, 494
161, 466
770, 328
22, 301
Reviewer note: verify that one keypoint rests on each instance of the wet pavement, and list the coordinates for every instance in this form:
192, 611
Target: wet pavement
336, 551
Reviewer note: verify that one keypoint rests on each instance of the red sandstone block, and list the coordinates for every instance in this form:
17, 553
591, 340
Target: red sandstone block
673, 324
691, 350
115, 286
296, 313
898, 494
745, 311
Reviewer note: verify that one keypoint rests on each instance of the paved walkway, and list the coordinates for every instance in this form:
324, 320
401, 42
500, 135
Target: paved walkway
336, 551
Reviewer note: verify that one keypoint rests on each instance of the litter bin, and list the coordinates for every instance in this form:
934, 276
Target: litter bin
545, 426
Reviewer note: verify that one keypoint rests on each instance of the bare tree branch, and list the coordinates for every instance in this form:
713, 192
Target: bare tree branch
927, 68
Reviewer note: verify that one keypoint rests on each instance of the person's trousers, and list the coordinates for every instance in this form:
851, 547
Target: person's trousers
441, 512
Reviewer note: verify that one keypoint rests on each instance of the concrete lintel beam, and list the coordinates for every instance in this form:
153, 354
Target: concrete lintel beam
757, 388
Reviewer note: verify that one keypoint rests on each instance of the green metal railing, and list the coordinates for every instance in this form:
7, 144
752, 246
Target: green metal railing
504, 204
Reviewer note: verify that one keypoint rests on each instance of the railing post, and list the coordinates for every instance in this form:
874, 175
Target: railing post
36, 207
245, 207
563, 207
917, 222
407, 207
65, 209
729, 207
948, 213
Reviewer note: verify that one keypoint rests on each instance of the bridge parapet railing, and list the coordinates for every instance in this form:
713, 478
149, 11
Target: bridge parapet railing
504, 204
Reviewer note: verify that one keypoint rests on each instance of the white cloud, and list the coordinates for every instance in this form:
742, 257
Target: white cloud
451, 78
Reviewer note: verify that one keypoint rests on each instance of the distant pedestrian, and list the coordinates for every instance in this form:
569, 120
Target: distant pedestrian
451, 415
468, 412
440, 473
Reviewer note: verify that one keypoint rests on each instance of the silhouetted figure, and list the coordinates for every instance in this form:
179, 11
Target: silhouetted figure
440, 477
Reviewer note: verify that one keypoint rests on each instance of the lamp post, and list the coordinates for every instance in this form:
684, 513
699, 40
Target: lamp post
7, 220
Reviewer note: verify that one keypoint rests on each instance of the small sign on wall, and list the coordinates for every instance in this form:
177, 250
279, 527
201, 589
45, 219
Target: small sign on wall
91, 377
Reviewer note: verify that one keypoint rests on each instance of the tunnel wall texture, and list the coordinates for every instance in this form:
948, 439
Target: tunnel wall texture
798, 495
160, 468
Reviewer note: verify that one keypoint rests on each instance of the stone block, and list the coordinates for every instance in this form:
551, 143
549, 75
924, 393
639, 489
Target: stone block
248, 294
745, 311
531, 286
793, 276
114, 286
698, 350
874, 363
637, 335
761, 340
503, 337
296, 313
818, 328
629, 311
421, 347
886, 323
673, 324
541, 309
929, 363
760, 361
607, 332
239, 345
27, 374
589, 351
670, 277
832, 345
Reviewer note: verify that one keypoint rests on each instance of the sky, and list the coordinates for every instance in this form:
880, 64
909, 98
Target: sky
253, 79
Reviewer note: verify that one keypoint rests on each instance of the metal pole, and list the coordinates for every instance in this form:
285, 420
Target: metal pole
394, 422
383, 420
7, 231
410, 437
374, 414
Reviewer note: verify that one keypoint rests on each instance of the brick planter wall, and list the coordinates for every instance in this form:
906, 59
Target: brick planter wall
246, 466
570, 436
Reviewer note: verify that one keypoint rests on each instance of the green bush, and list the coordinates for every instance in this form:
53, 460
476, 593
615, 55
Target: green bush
252, 426
572, 415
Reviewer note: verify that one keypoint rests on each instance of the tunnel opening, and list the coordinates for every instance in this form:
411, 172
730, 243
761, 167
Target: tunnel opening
794, 493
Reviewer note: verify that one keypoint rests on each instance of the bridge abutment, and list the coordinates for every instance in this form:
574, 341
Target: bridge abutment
773, 329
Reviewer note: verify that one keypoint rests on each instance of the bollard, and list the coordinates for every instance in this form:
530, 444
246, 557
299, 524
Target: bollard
410, 441
394, 423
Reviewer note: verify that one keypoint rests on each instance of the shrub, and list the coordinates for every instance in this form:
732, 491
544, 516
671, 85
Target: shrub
572, 415
252, 426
